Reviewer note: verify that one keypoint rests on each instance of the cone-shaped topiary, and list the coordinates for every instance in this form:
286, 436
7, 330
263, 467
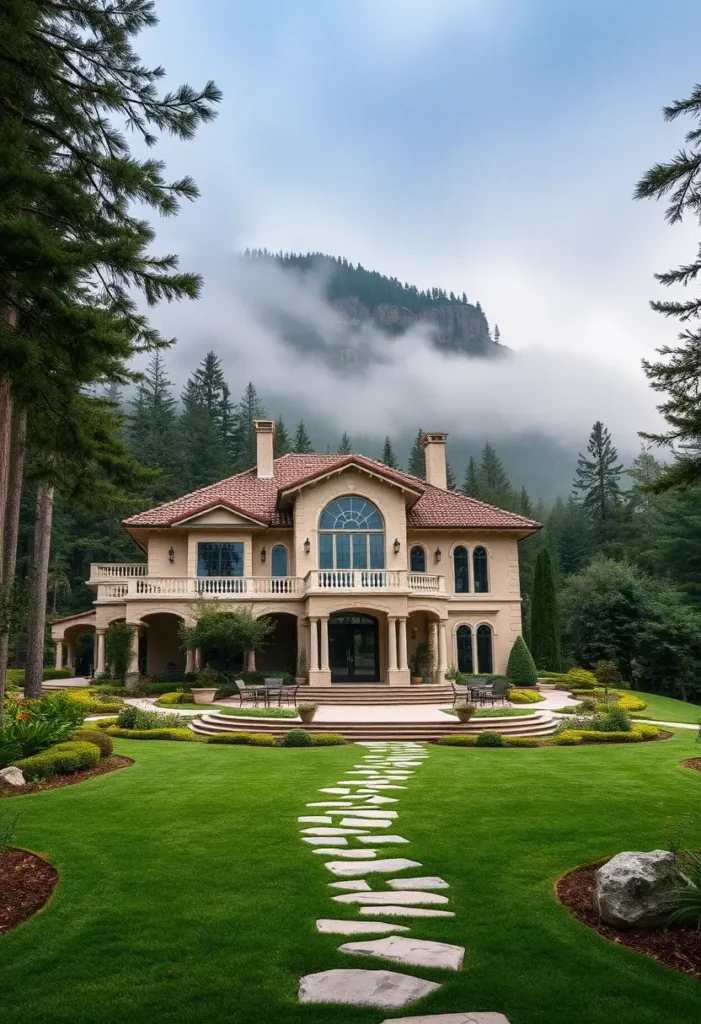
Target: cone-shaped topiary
521, 669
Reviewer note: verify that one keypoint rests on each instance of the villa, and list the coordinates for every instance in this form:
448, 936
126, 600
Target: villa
357, 563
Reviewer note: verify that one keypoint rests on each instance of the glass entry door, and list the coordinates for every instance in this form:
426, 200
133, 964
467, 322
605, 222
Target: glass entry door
354, 649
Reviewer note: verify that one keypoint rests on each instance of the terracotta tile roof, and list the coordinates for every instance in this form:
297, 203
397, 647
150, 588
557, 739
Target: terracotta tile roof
259, 498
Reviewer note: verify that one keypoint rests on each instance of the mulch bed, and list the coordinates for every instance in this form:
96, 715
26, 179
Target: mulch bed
679, 948
26, 882
693, 762
110, 764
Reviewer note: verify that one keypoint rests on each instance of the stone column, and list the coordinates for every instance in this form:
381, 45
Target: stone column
442, 652
313, 645
70, 656
392, 643
99, 651
251, 665
134, 661
325, 644
59, 654
189, 661
198, 659
403, 662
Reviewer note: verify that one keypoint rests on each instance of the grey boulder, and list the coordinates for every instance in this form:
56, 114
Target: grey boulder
636, 890
12, 776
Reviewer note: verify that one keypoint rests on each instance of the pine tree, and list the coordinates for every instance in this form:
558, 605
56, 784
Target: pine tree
388, 457
495, 486
249, 409
282, 444
209, 385
471, 486
417, 464
525, 507
497, 335
301, 442
572, 537
450, 478
545, 616
225, 417
204, 460
597, 480
152, 424
345, 445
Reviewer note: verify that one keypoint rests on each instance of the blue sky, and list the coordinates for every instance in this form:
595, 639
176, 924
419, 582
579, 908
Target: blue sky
490, 146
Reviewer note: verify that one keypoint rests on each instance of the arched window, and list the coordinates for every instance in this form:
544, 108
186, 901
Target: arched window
462, 582
485, 661
480, 571
417, 559
351, 535
278, 561
464, 641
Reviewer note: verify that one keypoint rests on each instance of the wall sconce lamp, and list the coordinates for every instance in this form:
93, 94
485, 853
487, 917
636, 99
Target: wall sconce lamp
263, 555
396, 545
171, 556
307, 546
437, 554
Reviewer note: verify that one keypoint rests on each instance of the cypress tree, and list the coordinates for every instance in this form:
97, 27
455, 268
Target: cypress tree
301, 442
388, 457
545, 616
282, 444
345, 445
597, 480
417, 464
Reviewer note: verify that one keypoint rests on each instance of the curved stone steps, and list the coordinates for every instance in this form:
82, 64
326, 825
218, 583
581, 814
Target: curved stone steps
378, 693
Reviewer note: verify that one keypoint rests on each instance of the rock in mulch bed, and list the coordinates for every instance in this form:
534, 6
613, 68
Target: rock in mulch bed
110, 764
693, 762
679, 948
26, 882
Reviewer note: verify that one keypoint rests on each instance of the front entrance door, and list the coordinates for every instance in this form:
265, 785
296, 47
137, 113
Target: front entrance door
354, 649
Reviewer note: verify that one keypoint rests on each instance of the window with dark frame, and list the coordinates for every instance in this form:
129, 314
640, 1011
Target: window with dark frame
220, 558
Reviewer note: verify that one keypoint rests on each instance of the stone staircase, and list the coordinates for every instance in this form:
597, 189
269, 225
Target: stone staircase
540, 724
377, 693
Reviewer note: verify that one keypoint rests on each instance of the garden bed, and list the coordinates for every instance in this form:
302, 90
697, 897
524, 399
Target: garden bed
110, 764
26, 883
678, 948
692, 762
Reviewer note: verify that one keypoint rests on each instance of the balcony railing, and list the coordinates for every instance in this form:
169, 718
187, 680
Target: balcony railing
102, 572
317, 581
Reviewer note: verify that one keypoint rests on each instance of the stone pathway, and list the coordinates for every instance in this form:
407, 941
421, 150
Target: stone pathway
359, 821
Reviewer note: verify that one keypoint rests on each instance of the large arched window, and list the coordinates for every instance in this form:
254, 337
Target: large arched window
278, 561
485, 660
462, 581
464, 642
351, 535
480, 570
417, 559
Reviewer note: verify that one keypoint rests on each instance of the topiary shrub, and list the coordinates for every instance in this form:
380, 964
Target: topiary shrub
648, 732
490, 739
630, 703
328, 739
525, 697
521, 670
100, 739
183, 735
297, 738
63, 759
458, 741
520, 741
581, 679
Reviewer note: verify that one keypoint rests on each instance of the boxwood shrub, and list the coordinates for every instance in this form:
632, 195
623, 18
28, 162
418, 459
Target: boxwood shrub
458, 741
183, 735
525, 697
489, 739
96, 736
328, 739
63, 759
297, 738
520, 741
250, 739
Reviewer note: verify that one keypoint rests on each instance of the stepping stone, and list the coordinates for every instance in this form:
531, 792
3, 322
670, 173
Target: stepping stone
397, 911
324, 830
451, 1018
335, 790
383, 839
382, 800
329, 927
351, 854
319, 819
332, 803
361, 769
366, 812
384, 785
403, 898
430, 882
386, 989
367, 822
326, 841
413, 952
388, 865
360, 886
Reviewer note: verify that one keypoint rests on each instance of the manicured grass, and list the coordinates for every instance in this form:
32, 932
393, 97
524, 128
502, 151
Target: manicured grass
495, 712
666, 709
237, 712
185, 893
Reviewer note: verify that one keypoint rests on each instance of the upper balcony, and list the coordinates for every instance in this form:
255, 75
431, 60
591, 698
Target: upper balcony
119, 582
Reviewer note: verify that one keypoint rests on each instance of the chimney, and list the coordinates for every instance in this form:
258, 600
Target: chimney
434, 458
265, 436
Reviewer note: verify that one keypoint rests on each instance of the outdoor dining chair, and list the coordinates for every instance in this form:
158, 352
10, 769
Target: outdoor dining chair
460, 693
247, 692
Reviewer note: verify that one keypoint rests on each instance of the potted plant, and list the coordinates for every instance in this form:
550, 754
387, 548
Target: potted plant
307, 711
301, 677
422, 664
205, 686
464, 711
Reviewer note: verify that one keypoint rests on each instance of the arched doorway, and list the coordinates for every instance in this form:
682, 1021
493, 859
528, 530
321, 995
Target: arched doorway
354, 648
280, 655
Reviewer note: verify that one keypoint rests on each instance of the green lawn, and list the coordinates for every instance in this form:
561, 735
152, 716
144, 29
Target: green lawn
666, 709
186, 894
237, 712
495, 712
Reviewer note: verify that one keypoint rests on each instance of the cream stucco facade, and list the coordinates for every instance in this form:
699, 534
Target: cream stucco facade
381, 614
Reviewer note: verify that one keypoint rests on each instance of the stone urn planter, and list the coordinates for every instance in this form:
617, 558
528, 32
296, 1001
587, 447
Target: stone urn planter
306, 712
204, 695
465, 712
301, 680
416, 680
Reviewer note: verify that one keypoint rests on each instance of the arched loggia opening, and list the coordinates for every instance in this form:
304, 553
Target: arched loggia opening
160, 649
280, 655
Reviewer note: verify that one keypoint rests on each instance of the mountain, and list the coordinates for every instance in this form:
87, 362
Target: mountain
361, 296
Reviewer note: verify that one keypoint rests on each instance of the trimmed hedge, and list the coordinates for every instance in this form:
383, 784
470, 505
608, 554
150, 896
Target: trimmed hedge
568, 738
638, 734
16, 675
63, 759
104, 723
328, 739
100, 739
521, 741
458, 741
250, 739
175, 697
183, 735
525, 697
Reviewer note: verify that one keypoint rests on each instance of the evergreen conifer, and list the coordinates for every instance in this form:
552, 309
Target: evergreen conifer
345, 445
597, 480
417, 465
388, 457
282, 444
302, 442
545, 616
521, 670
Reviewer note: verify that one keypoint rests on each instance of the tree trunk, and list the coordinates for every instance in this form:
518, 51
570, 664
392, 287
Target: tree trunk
36, 617
5, 436
9, 548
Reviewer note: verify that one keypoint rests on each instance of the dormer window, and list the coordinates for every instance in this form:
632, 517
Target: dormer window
351, 535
